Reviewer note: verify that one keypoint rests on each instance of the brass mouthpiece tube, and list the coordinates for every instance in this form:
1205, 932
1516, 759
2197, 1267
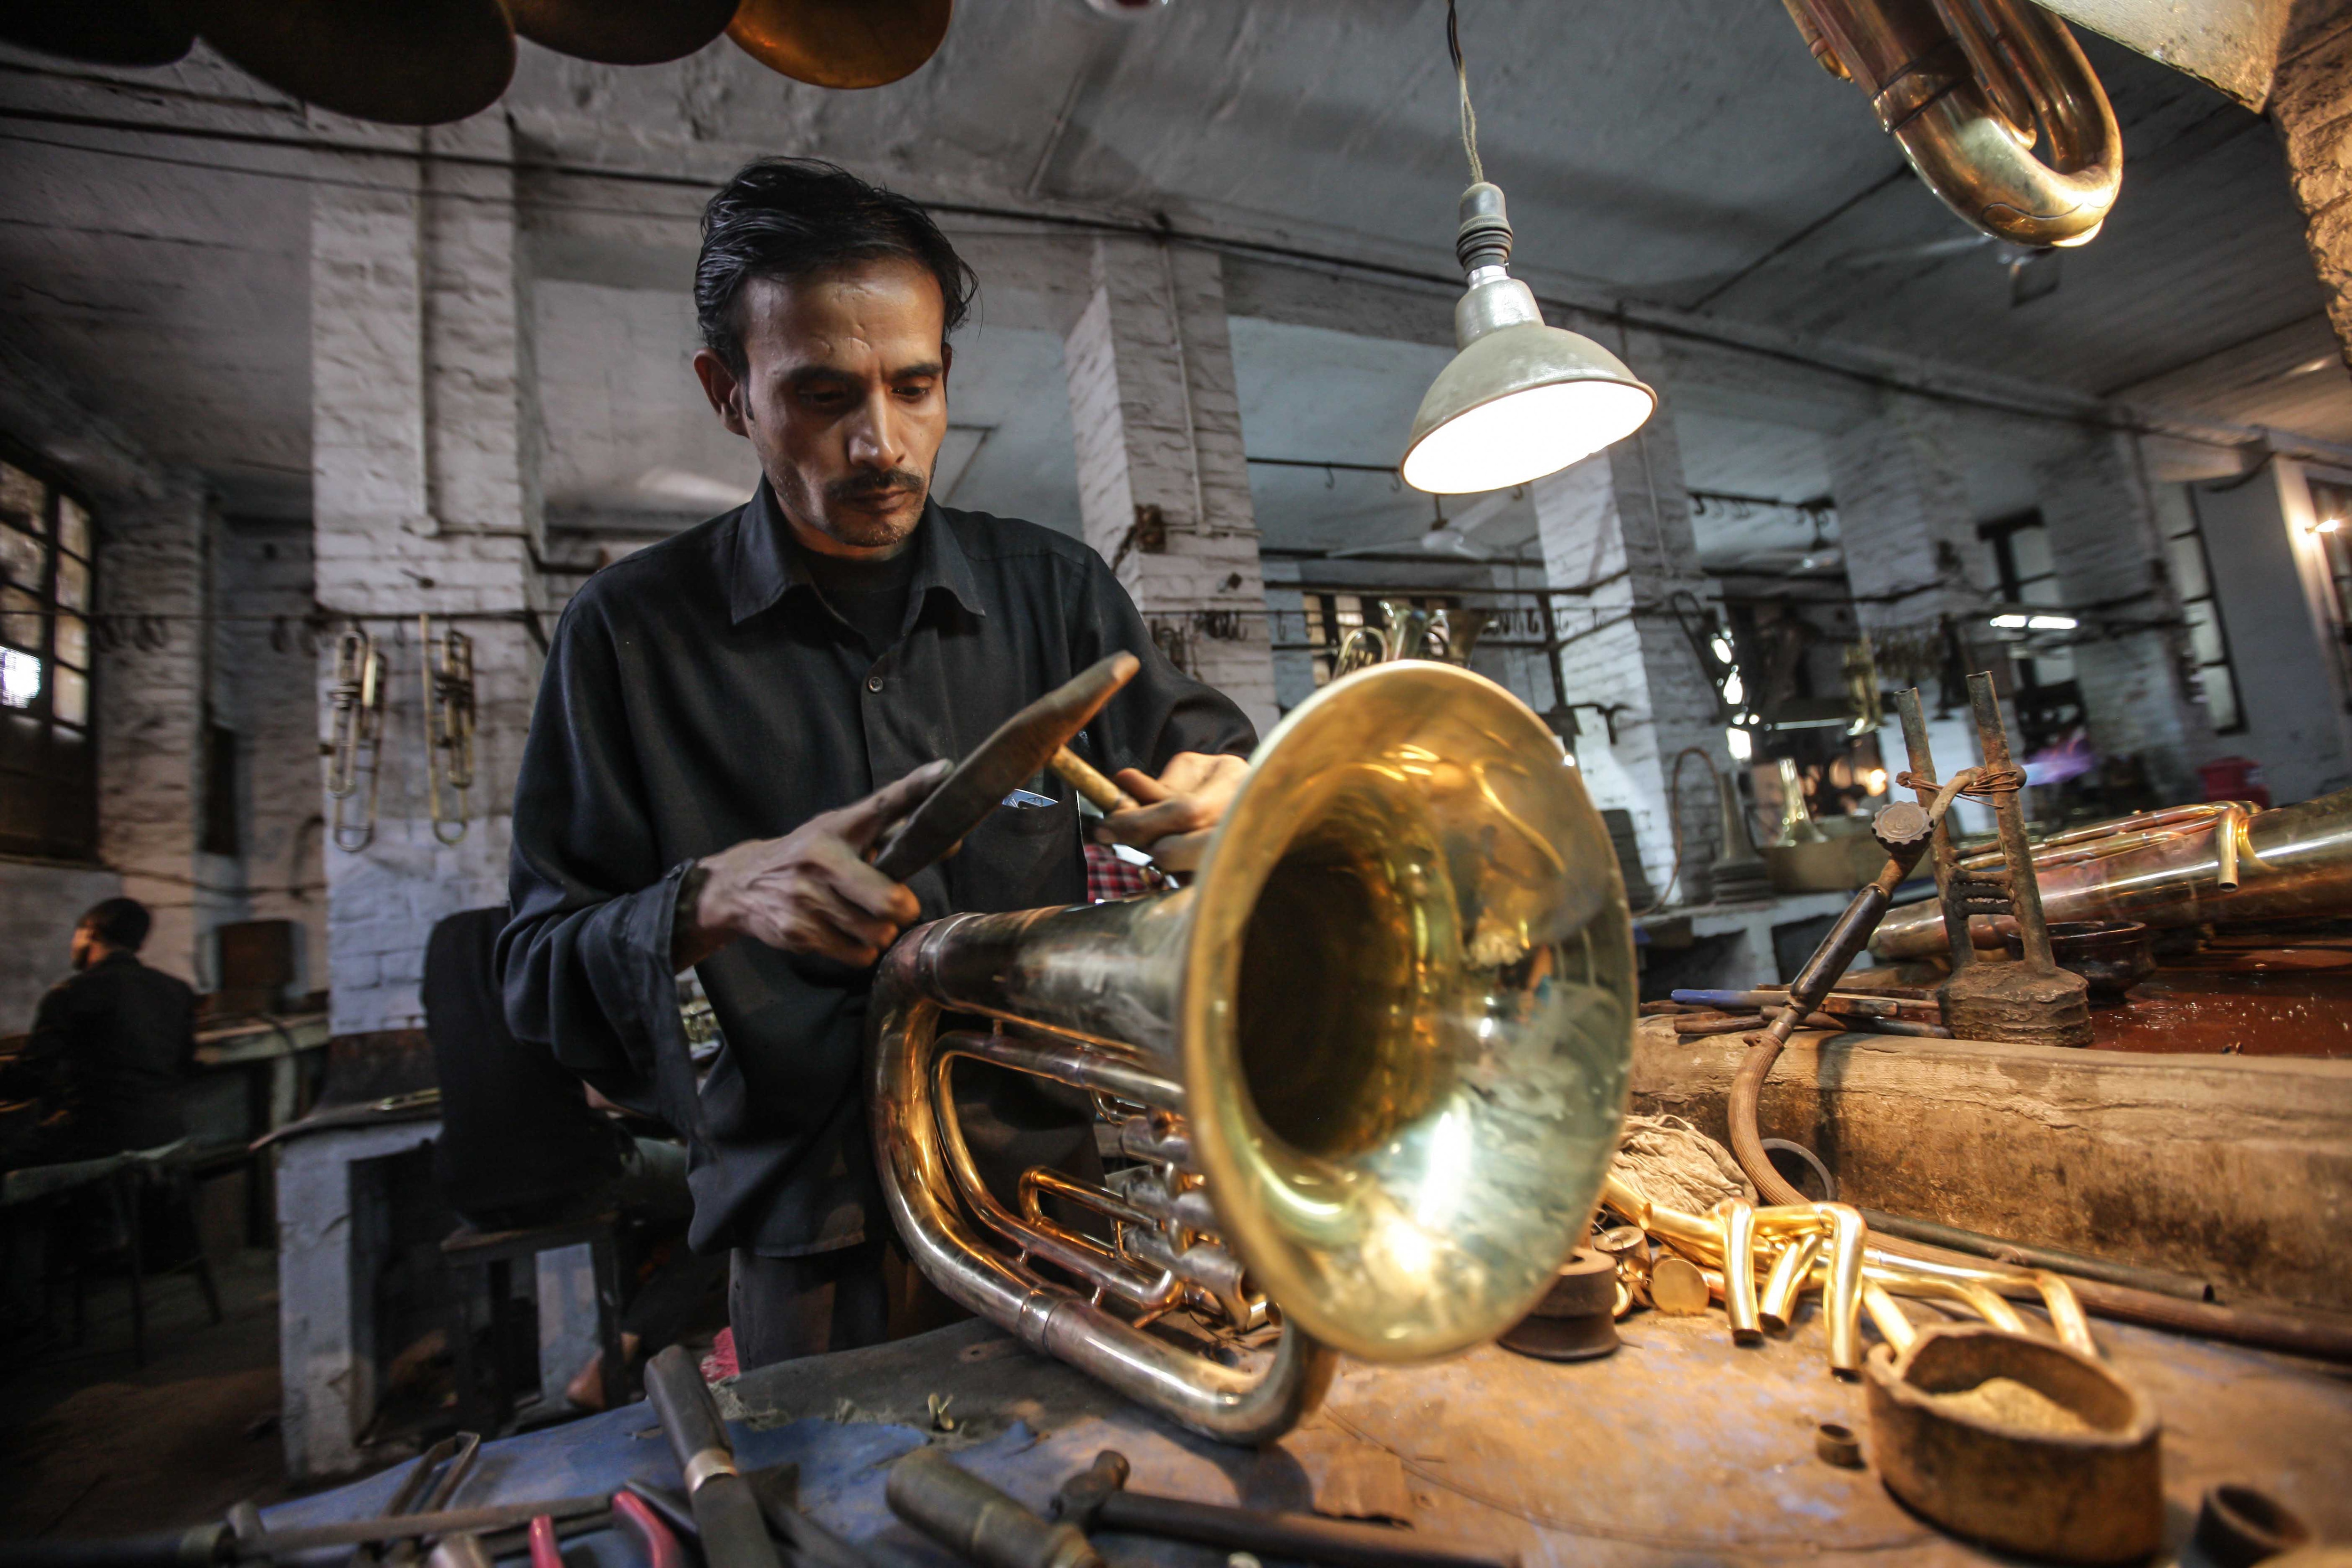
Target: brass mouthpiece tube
1893, 1326
1786, 1283
1737, 1221
1842, 1304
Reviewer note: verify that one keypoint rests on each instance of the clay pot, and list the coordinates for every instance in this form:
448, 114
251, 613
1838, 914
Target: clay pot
2112, 956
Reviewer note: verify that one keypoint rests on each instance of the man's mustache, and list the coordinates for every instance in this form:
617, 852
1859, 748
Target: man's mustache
868, 486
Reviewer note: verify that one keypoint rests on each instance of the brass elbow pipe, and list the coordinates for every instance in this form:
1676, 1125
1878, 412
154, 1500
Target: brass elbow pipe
1968, 89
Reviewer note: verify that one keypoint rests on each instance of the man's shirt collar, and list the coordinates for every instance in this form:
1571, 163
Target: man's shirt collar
765, 567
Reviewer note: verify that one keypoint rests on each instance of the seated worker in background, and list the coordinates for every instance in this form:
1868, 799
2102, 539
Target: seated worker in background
520, 1145
110, 1047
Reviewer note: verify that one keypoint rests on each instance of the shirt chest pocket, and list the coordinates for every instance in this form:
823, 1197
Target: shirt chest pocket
1021, 858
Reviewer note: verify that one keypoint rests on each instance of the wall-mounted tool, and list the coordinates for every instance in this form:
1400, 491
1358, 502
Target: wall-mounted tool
354, 742
447, 667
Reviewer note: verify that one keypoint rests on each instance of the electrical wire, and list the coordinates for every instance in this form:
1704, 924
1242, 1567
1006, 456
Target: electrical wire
1461, 82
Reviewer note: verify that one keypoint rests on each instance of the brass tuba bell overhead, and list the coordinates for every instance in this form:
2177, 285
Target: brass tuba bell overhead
1966, 88
400, 62
1370, 1067
621, 32
842, 43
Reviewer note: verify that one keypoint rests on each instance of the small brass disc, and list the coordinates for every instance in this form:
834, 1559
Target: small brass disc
102, 31
621, 32
1677, 1288
842, 43
400, 62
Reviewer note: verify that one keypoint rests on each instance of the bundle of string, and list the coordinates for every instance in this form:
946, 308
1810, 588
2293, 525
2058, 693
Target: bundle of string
1668, 1161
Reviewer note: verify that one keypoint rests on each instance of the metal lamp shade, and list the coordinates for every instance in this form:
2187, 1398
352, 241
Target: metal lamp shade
1519, 401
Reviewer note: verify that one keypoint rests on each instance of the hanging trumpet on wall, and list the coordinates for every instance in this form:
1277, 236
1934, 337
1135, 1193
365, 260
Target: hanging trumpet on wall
447, 666
354, 737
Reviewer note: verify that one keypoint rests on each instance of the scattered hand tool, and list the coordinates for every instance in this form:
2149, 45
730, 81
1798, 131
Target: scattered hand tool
544, 1552
1020, 746
726, 1512
973, 1519
1098, 1498
457, 1452
637, 1519
220, 1543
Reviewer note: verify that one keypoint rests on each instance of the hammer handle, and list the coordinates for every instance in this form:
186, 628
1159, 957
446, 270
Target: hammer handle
1088, 781
978, 1522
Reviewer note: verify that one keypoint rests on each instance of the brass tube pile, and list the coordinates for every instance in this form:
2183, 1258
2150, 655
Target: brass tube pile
1820, 1246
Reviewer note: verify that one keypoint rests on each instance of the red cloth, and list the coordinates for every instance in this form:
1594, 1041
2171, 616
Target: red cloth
721, 1361
1108, 877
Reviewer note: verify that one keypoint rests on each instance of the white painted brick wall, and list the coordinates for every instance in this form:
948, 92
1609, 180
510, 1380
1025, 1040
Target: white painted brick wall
425, 499
1901, 496
2106, 544
1621, 521
1157, 423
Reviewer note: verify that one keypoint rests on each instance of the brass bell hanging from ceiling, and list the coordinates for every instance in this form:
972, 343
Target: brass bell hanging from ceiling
100, 32
842, 43
403, 62
621, 32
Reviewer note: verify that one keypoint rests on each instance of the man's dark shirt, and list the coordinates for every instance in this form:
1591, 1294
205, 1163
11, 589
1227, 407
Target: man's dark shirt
113, 1044
517, 1132
700, 693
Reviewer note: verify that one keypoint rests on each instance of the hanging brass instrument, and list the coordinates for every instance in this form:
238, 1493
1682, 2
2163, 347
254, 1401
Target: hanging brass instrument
403, 62
1370, 1065
447, 665
1966, 88
2216, 862
355, 742
842, 43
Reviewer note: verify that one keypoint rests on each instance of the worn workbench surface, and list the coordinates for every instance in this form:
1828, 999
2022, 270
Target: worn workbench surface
1678, 1449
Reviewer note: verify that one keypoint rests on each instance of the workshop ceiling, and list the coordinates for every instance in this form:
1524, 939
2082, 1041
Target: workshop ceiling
1679, 154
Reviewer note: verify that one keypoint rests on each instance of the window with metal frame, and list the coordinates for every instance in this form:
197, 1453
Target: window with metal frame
49, 773
2209, 639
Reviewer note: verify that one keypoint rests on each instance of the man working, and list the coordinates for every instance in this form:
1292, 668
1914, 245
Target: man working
701, 784
109, 1045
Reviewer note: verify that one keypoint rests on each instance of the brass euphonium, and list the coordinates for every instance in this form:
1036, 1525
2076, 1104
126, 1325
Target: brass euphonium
1369, 1065
1966, 88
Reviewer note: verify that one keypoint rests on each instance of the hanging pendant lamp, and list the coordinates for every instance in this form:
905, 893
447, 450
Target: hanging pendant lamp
1519, 399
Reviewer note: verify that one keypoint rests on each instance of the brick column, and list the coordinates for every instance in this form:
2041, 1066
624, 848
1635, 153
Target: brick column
2310, 99
1909, 537
2105, 545
1617, 527
425, 500
152, 562
1163, 488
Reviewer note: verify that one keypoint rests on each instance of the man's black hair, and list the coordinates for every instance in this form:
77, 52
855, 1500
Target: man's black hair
118, 922
785, 219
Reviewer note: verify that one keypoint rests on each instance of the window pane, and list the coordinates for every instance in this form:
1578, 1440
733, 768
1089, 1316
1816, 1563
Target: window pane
73, 526
2057, 665
69, 704
2043, 591
22, 558
20, 678
2189, 567
73, 584
2220, 696
73, 641
2030, 547
23, 498
2205, 633
20, 619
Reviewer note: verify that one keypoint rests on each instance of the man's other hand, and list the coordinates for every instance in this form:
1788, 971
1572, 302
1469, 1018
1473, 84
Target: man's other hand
811, 891
1175, 813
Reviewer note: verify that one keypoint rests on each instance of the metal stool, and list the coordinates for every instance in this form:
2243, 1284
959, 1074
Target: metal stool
494, 1254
